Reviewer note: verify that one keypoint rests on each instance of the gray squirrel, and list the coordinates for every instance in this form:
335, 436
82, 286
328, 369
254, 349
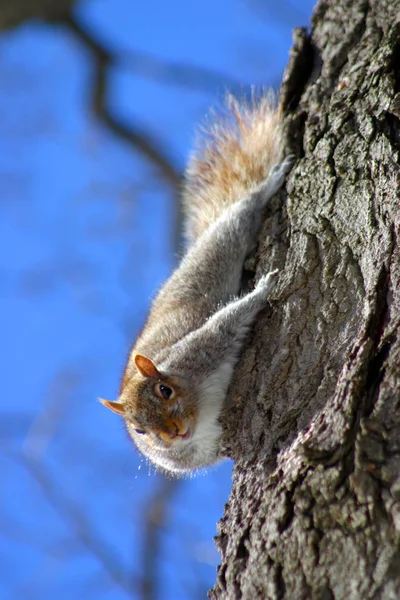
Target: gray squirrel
180, 368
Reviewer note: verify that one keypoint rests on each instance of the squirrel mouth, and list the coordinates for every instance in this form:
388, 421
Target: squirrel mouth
186, 435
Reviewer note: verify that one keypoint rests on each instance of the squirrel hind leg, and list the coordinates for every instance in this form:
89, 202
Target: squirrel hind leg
276, 177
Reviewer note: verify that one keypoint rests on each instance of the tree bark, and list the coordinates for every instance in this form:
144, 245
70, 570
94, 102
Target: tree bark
313, 416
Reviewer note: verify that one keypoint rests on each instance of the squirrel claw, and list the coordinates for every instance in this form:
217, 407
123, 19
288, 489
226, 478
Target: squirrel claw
283, 168
278, 173
267, 281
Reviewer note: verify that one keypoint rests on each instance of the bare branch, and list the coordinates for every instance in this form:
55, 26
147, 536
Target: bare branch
138, 138
156, 515
79, 524
192, 77
46, 421
16, 12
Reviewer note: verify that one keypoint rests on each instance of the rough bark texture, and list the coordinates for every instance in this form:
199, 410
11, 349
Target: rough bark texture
313, 420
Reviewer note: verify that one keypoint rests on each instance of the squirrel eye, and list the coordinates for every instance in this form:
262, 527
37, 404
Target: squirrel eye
164, 391
140, 431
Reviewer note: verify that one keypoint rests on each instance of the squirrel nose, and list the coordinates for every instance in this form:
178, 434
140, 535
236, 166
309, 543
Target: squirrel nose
170, 432
174, 430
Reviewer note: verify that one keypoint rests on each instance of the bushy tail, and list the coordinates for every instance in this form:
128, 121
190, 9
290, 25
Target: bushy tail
234, 154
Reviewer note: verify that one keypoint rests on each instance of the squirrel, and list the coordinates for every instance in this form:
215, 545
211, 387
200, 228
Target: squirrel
180, 368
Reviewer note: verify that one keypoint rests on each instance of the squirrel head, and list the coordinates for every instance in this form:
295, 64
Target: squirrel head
156, 407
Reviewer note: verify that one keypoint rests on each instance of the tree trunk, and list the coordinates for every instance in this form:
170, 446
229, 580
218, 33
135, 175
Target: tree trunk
313, 417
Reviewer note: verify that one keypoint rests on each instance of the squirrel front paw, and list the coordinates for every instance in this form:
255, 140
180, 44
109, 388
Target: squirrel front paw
278, 173
267, 282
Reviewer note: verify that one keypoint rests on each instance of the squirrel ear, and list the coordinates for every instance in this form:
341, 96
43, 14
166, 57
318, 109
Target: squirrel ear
146, 367
116, 407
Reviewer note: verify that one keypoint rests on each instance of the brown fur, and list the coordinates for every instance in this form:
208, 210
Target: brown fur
236, 153
145, 409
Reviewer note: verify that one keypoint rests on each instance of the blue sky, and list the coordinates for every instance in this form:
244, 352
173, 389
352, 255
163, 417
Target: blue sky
86, 238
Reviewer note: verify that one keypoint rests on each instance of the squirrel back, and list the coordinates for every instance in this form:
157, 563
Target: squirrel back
234, 154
